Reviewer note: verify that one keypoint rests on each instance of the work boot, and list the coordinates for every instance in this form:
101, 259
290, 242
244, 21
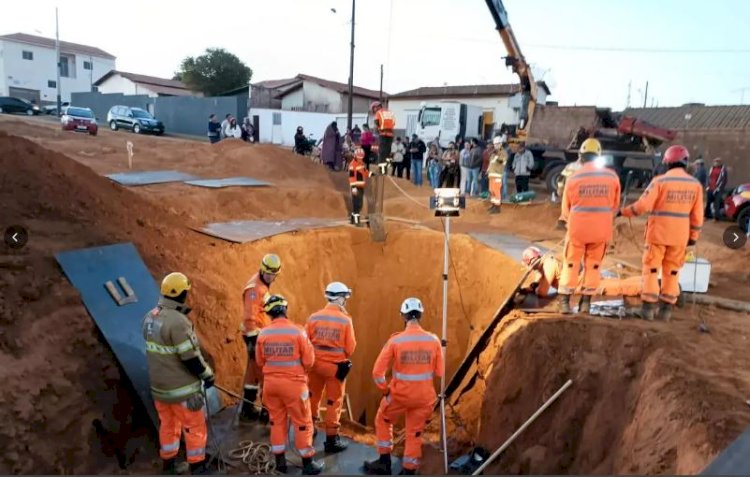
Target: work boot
584, 306
281, 463
263, 416
495, 209
563, 304
382, 466
334, 444
200, 468
249, 412
311, 467
647, 311
169, 466
407, 472
665, 312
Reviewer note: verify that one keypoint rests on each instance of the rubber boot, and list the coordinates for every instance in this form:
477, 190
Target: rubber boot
665, 312
200, 468
563, 304
382, 466
248, 412
647, 311
263, 416
335, 444
311, 467
169, 466
495, 209
281, 463
584, 306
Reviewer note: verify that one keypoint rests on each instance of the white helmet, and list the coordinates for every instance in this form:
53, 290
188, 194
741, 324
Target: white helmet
497, 140
411, 306
336, 290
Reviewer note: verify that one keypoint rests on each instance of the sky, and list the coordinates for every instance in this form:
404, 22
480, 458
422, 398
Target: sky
590, 52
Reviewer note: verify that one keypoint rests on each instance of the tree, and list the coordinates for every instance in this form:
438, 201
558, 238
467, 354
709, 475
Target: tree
214, 72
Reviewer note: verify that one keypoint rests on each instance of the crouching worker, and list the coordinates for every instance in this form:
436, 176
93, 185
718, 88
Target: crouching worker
546, 272
414, 357
285, 354
178, 374
332, 335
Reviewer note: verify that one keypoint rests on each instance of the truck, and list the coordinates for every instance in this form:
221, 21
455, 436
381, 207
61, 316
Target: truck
447, 119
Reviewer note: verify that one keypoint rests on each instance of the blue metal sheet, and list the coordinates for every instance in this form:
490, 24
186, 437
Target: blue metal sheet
242, 231
734, 460
229, 182
510, 245
150, 177
89, 270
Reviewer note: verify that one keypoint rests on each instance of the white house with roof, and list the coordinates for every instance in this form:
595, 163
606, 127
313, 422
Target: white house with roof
28, 67
131, 83
501, 103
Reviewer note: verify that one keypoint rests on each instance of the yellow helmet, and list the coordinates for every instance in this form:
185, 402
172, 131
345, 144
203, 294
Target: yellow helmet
174, 284
591, 146
275, 305
271, 263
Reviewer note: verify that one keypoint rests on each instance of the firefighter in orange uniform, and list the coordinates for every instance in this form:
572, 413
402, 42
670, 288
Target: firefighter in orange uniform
547, 271
674, 202
285, 355
590, 201
332, 335
358, 174
385, 123
254, 320
415, 357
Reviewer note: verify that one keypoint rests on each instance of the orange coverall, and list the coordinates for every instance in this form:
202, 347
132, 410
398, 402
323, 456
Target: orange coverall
674, 202
416, 357
589, 203
332, 335
285, 354
385, 121
548, 276
254, 319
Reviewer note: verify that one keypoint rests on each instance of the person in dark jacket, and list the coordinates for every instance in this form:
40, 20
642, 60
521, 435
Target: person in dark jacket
475, 166
718, 177
301, 146
214, 129
331, 153
416, 150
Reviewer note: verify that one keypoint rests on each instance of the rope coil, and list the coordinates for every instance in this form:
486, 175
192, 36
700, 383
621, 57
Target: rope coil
256, 455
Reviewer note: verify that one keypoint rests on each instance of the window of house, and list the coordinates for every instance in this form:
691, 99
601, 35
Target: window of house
27, 55
87, 65
51, 84
277, 119
67, 66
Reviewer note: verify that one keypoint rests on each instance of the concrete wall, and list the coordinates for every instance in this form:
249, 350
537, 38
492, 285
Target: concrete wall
283, 134
330, 101
101, 103
35, 74
733, 146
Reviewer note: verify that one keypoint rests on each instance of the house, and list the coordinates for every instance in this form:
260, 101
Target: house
28, 67
501, 102
132, 83
311, 94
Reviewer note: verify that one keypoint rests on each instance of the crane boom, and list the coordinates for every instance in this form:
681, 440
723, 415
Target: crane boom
517, 62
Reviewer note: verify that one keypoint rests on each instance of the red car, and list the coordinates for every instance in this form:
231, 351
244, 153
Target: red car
79, 119
737, 206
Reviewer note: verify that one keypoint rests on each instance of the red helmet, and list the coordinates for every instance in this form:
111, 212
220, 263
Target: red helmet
676, 154
375, 104
530, 256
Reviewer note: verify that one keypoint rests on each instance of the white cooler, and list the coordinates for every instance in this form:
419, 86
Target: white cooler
694, 276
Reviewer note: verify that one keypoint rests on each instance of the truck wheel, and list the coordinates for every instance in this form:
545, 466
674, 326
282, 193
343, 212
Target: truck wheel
743, 218
551, 177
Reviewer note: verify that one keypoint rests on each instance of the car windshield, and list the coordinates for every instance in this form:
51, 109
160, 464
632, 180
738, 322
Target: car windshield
139, 113
80, 112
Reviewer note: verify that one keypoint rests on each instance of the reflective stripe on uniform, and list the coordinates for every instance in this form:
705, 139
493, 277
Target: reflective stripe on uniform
279, 332
171, 447
328, 348
592, 174
184, 391
307, 451
664, 213
411, 460
380, 380
413, 339
295, 362
676, 179
413, 377
305, 394
385, 444
278, 449
183, 347
693, 227
196, 452
332, 319
579, 208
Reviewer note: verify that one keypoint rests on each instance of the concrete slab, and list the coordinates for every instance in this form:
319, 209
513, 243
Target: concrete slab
229, 434
242, 231
229, 182
734, 460
117, 290
150, 177
508, 244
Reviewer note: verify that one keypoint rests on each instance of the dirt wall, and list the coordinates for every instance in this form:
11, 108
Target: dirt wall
557, 125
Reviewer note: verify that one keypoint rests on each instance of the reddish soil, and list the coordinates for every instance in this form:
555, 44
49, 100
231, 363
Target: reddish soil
646, 398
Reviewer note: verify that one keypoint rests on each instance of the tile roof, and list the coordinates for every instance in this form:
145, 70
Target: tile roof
291, 84
466, 90
65, 46
157, 85
701, 117
273, 84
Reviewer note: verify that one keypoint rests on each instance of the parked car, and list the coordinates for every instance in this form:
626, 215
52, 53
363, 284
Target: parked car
9, 104
737, 206
136, 119
51, 109
79, 119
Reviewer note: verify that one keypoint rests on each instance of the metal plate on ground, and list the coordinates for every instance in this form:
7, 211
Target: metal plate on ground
229, 182
229, 433
96, 271
510, 245
242, 231
150, 177
734, 460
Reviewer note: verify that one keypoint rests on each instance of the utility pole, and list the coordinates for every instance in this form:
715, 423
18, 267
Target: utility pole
630, 84
57, 53
351, 75
645, 96
742, 93
381, 82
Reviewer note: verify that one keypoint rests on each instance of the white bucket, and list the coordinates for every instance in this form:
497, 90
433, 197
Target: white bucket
694, 276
